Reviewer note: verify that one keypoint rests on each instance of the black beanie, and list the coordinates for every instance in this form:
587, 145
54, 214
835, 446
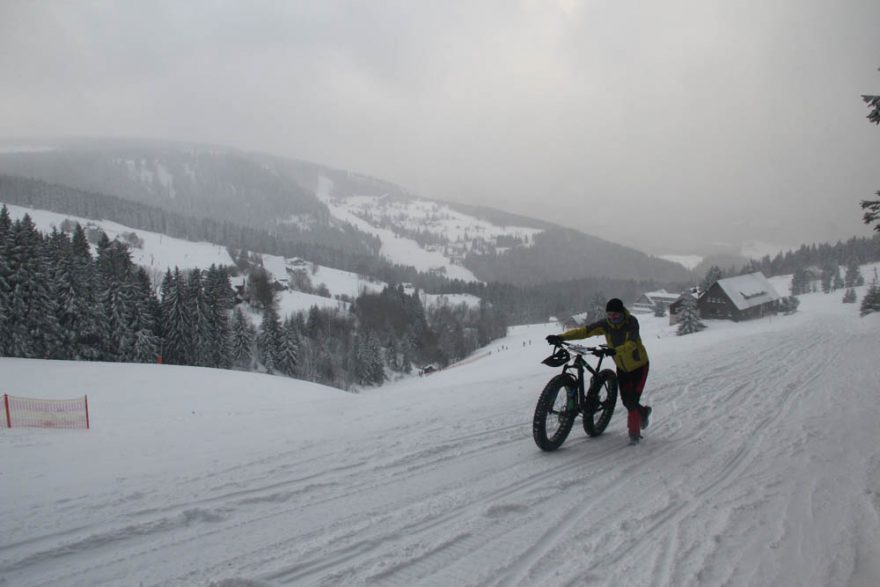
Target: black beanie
614, 305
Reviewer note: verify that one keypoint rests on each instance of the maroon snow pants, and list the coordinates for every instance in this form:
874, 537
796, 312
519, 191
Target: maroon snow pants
631, 384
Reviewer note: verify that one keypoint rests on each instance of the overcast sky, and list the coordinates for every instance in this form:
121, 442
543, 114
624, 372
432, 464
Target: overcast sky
670, 126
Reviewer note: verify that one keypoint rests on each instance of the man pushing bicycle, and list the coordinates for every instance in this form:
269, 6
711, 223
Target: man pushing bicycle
621, 330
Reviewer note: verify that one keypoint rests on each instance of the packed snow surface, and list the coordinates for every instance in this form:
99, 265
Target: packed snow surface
761, 467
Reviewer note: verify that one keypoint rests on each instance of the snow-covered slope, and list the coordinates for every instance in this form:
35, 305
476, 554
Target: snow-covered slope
761, 467
396, 248
159, 252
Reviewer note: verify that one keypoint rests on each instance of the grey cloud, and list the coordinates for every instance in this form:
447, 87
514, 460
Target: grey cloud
667, 126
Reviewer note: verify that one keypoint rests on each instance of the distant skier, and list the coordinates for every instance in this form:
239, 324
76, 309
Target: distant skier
621, 330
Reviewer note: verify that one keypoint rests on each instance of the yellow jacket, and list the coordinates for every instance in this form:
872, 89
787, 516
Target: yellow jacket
623, 338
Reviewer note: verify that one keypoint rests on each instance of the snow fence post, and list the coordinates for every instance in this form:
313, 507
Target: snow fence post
6, 407
86, 398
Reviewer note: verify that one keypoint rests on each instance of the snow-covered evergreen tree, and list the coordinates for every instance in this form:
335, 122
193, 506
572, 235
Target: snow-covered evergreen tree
597, 307
853, 276
712, 275
32, 319
849, 297
219, 298
288, 350
871, 300
176, 322
837, 280
826, 278
118, 297
86, 308
65, 293
5, 294
243, 338
269, 339
200, 320
800, 282
690, 317
368, 362
145, 348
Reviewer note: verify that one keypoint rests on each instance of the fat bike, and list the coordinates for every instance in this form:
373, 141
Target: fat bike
567, 396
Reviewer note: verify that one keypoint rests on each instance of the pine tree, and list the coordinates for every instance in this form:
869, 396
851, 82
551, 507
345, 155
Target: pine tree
243, 337
837, 280
850, 296
200, 321
597, 307
288, 350
5, 222
269, 340
827, 278
871, 300
176, 321
659, 310
86, 309
690, 318
118, 297
32, 322
145, 348
219, 297
5, 292
65, 293
800, 282
853, 275
872, 208
368, 368
146, 313
712, 275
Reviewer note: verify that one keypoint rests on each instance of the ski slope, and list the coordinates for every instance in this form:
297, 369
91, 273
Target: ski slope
761, 467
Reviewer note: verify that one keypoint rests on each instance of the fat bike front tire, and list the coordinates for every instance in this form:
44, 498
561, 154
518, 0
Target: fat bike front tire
553, 414
600, 403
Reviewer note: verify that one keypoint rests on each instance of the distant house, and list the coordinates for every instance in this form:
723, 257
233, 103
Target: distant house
676, 307
739, 298
296, 264
650, 301
575, 321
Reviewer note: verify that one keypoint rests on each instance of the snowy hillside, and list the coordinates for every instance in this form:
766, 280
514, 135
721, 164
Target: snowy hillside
761, 467
158, 252
386, 217
333, 210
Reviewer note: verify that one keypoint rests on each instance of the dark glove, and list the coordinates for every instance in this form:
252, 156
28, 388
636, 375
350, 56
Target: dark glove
554, 339
610, 352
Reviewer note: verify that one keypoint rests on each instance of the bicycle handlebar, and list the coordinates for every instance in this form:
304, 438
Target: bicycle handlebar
599, 351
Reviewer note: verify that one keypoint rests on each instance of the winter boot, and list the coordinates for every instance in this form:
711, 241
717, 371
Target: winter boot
634, 438
646, 414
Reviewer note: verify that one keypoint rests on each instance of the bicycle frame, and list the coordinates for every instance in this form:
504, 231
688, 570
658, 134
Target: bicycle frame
579, 364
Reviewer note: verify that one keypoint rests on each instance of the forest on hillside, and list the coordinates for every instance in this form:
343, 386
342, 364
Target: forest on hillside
57, 301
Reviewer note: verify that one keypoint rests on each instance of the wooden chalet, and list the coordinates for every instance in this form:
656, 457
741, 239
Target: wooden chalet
651, 300
743, 297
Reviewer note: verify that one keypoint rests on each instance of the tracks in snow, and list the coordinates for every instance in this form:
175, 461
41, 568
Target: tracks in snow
473, 502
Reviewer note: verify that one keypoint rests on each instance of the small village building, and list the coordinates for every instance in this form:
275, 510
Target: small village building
743, 297
652, 300
575, 321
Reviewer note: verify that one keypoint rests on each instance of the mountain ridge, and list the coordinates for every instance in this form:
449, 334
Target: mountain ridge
280, 195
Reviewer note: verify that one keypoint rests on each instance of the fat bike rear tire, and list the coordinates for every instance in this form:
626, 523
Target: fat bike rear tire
554, 414
600, 407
